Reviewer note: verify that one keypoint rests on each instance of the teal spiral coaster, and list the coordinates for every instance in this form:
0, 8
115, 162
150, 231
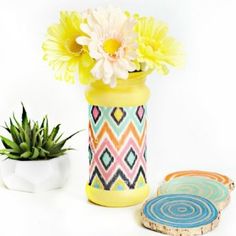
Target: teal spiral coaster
214, 191
180, 214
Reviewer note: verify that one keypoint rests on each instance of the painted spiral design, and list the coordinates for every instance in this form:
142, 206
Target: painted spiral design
207, 174
207, 188
182, 211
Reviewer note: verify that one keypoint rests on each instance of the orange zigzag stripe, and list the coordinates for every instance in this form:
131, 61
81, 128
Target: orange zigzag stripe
117, 143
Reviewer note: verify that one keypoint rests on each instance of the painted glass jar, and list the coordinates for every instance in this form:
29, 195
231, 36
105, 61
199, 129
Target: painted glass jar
117, 142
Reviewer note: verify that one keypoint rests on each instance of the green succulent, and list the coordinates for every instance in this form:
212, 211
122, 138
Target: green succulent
33, 141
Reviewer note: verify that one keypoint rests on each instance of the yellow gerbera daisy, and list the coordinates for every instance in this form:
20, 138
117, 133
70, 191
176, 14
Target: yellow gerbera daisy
62, 51
155, 48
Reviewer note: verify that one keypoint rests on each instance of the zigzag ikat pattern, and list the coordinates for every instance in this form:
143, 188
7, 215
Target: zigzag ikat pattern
117, 147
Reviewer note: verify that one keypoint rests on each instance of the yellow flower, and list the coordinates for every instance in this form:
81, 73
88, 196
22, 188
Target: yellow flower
64, 54
156, 50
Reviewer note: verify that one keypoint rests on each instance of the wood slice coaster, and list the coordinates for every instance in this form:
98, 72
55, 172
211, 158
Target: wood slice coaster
212, 175
214, 191
180, 215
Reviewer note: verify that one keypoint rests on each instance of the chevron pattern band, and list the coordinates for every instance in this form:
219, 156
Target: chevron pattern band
117, 147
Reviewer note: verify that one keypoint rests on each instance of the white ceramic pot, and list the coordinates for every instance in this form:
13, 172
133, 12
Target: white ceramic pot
35, 176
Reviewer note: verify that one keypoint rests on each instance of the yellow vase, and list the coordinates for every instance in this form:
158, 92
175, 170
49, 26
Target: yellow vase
117, 142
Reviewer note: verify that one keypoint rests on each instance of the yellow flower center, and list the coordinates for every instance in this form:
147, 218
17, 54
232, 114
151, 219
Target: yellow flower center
73, 47
111, 46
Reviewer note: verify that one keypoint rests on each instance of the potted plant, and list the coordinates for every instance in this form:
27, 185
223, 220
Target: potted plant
113, 52
36, 159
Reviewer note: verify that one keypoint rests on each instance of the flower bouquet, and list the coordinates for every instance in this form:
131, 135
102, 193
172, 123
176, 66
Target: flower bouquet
112, 52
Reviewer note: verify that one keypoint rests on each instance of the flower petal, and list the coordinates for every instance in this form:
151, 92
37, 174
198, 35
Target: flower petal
97, 70
108, 72
55, 46
120, 72
85, 28
82, 40
155, 48
94, 51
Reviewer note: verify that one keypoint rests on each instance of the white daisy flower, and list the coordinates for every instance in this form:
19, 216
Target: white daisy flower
111, 42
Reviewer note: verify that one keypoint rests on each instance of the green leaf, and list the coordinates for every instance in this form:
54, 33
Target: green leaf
14, 133
28, 130
39, 141
26, 125
49, 144
56, 155
54, 132
57, 147
24, 130
24, 146
21, 130
45, 128
34, 134
35, 153
26, 154
17, 123
12, 156
6, 151
5, 145
43, 152
59, 137
22, 135
24, 117
10, 144
66, 139
27, 138
43, 121
7, 128
61, 153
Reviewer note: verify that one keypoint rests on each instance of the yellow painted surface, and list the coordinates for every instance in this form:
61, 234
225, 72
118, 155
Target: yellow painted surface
130, 92
117, 198
127, 93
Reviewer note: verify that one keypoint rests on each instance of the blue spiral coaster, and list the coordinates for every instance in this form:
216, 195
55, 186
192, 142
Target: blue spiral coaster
180, 214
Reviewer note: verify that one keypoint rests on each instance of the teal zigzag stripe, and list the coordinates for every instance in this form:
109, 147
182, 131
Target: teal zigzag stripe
106, 115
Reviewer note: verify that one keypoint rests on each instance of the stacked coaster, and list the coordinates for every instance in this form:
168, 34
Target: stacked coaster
214, 191
207, 174
188, 203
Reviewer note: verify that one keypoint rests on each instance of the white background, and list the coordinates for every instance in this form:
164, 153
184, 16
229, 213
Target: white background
192, 112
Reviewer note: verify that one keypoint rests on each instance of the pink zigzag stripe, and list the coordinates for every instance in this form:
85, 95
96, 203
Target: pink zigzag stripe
131, 174
121, 152
120, 162
96, 160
